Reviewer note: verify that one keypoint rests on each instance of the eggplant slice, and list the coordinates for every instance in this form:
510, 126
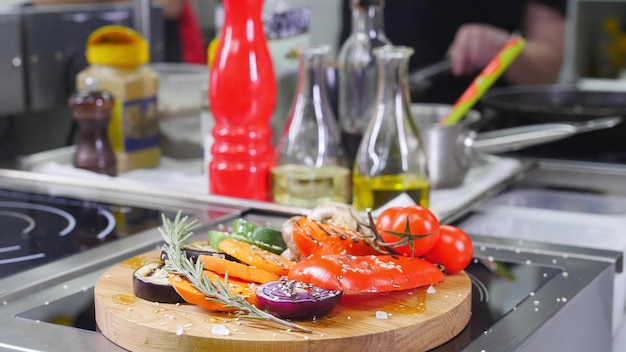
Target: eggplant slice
150, 282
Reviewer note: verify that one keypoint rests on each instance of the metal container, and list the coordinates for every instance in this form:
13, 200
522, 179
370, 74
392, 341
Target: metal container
180, 99
451, 150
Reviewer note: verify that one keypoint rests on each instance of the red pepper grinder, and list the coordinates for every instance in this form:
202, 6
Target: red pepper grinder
242, 92
91, 110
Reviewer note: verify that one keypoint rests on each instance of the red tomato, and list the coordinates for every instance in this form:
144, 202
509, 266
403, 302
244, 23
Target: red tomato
368, 273
454, 250
314, 237
417, 223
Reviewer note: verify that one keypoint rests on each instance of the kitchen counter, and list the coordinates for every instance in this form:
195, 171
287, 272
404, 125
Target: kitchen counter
594, 269
578, 284
619, 340
487, 175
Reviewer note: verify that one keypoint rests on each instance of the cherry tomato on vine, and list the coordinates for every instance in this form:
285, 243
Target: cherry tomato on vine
415, 228
454, 250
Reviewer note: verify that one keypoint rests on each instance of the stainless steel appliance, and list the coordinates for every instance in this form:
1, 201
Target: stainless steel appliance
43, 49
13, 95
527, 296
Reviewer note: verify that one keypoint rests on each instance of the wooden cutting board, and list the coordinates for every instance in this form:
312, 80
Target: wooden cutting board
416, 320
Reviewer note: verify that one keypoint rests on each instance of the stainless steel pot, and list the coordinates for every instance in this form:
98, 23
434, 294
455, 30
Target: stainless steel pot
452, 149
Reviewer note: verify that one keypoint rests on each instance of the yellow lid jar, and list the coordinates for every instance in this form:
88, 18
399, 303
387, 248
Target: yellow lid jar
117, 57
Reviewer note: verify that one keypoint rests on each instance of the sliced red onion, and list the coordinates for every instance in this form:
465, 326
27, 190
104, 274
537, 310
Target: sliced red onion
291, 299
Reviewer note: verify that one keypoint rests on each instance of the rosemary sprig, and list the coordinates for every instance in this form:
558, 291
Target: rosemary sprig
176, 234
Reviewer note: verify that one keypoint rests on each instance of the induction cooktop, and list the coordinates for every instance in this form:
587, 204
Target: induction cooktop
498, 287
37, 229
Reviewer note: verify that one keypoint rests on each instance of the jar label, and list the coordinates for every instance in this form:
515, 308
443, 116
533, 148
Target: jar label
285, 24
141, 128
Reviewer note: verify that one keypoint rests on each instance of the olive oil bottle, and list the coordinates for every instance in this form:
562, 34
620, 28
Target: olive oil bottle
391, 160
311, 165
372, 192
303, 186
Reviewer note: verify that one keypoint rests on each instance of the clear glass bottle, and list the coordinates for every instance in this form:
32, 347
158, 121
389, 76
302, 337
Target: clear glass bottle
311, 167
358, 72
391, 160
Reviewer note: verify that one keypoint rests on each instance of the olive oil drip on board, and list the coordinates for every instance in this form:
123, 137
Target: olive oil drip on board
124, 299
137, 262
410, 302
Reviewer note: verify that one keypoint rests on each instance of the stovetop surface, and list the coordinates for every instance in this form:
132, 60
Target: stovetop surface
38, 229
498, 287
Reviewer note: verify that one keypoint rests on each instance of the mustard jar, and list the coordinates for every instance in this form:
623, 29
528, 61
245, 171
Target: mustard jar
117, 57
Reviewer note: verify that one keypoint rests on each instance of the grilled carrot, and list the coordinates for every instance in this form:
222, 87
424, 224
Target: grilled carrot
256, 257
191, 295
238, 270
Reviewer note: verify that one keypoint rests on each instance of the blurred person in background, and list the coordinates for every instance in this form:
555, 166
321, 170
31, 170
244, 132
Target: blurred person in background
184, 41
470, 33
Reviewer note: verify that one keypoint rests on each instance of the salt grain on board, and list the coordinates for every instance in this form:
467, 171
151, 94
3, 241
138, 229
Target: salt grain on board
219, 329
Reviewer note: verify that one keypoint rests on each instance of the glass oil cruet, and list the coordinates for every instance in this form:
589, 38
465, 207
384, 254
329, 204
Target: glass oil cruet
311, 167
391, 160
358, 72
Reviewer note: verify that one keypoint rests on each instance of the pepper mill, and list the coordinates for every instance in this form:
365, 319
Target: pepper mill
242, 94
91, 109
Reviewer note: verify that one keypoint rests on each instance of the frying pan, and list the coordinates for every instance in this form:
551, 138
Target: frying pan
554, 103
524, 105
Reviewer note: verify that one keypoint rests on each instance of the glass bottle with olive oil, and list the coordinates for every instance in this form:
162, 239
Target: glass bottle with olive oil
391, 160
311, 165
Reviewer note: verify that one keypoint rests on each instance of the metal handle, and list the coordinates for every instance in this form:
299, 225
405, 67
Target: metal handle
510, 139
598, 124
430, 71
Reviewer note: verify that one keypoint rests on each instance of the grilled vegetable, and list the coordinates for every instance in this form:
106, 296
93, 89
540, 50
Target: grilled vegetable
257, 257
150, 282
216, 237
314, 237
194, 250
290, 299
256, 234
193, 296
338, 214
292, 252
369, 273
238, 270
